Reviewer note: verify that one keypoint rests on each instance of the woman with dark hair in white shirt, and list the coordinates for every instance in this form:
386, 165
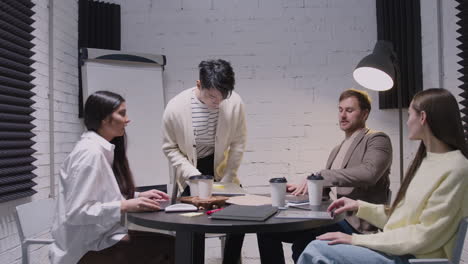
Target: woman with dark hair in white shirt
96, 189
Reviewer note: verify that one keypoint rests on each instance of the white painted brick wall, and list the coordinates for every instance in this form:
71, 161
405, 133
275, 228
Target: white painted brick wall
450, 52
292, 59
67, 125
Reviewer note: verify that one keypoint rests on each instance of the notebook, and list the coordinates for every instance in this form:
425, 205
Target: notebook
303, 214
245, 212
307, 212
303, 198
323, 207
227, 189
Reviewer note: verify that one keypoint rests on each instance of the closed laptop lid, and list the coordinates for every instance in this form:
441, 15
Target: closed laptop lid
245, 212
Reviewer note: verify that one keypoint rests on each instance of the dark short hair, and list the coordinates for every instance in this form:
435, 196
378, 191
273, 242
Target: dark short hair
217, 74
362, 97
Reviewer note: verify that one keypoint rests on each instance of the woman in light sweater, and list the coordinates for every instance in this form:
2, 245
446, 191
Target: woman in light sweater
423, 220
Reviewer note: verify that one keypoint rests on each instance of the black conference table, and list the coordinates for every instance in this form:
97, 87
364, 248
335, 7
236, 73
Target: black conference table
190, 231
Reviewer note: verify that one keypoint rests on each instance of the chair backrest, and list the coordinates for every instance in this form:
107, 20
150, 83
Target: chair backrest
34, 217
460, 251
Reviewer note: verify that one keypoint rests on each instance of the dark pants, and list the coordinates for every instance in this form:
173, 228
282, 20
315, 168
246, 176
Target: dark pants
271, 249
233, 245
136, 247
206, 165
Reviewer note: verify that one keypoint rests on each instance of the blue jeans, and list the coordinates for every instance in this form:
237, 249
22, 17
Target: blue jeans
271, 248
319, 252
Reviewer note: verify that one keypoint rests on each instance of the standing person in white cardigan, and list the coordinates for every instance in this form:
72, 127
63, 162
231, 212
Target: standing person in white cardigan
204, 130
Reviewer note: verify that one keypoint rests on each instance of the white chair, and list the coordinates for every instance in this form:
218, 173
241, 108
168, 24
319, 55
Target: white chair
31, 219
460, 251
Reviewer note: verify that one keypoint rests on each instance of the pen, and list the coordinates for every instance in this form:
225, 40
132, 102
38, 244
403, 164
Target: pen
214, 210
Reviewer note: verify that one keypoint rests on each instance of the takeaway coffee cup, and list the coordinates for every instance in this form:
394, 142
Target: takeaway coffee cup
278, 192
193, 184
315, 186
205, 186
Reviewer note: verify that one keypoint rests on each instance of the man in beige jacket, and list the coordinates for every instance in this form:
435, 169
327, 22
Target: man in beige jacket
358, 168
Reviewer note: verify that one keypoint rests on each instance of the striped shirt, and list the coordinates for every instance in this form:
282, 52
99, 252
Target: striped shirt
204, 121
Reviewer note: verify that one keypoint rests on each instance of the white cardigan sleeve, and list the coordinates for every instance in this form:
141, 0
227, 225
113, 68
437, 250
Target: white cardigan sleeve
170, 145
236, 146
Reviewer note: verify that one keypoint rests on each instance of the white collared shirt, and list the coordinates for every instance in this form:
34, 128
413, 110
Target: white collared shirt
88, 213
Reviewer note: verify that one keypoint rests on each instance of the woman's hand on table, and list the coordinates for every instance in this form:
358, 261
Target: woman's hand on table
154, 194
342, 205
297, 189
140, 204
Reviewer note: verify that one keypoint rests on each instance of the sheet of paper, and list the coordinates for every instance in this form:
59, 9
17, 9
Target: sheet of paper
249, 199
218, 186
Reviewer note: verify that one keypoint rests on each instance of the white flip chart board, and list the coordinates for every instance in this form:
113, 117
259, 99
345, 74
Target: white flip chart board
141, 86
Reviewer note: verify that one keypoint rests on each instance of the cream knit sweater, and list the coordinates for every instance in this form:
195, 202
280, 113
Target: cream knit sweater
425, 222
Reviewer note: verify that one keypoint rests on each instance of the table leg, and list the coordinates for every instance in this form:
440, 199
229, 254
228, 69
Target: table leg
190, 248
233, 248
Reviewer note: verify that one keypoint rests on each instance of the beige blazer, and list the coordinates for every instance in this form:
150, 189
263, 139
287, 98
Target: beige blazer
364, 174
